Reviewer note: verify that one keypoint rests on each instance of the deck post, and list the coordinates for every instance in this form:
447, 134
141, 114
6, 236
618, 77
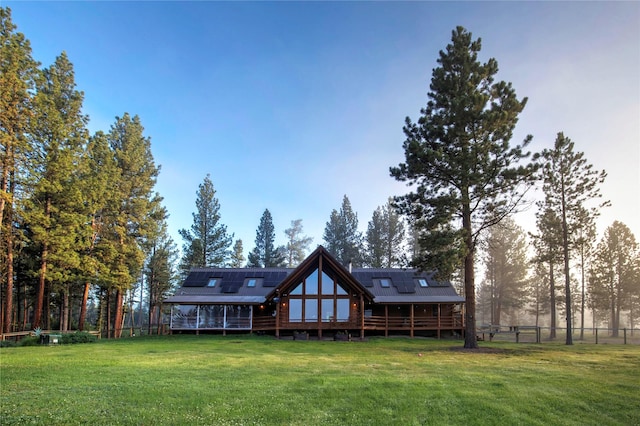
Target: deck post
411, 317
278, 314
439, 315
361, 317
386, 320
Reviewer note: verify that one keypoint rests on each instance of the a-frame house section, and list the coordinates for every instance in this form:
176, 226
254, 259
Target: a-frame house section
320, 295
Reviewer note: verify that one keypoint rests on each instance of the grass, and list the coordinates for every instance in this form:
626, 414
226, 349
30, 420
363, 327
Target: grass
244, 380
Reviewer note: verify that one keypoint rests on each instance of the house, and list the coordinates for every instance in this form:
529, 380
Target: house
320, 297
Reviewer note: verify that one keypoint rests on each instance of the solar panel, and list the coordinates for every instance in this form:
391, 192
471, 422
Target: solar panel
196, 279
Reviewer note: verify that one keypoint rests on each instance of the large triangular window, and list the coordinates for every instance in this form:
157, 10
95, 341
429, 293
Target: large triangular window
319, 298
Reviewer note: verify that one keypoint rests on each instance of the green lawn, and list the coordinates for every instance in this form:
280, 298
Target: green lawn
215, 380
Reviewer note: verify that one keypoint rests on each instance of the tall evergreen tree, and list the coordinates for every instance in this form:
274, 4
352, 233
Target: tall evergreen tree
297, 244
547, 243
55, 210
375, 240
237, 255
459, 156
97, 251
538, 300
18, 71
615, 273
134, 216
159, 272
569, 183
583, 240
385, 238
265, 254
506, 269
207, 243
341, 235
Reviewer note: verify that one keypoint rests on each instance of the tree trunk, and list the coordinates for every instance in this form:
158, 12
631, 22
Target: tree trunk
612, 323
8, 310
117, 319
108, 318
6, 174
567, 277
83, 307
37, 318
64, 312
470, 340
552, 285
43, 273
582, 299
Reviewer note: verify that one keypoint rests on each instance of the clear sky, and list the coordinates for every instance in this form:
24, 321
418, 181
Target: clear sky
291, 105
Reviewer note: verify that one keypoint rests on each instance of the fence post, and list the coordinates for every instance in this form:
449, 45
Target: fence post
624, 330
538, 333
596, 335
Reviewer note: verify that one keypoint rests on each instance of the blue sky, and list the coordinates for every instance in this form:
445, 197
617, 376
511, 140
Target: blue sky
291, 105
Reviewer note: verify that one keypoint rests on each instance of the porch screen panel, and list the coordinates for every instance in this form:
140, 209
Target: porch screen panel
184, 316
238, 316
211, 316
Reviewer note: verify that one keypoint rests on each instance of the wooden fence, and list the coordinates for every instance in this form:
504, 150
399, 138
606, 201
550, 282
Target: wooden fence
533, 334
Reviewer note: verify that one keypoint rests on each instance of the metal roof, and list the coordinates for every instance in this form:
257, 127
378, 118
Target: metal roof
231, 287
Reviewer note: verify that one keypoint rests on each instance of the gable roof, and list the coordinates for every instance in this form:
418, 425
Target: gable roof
232, 288
321, 257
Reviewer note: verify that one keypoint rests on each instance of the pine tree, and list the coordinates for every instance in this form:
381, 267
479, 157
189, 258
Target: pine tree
207, 243
506, 268
265, 254
375, 240
615, 273
132, 218
584, 239
569, 183
97, 251
297, 244
159, 272
385, 238
547, 244
237, 255
55, 210
341, 235
458, 154
18, 71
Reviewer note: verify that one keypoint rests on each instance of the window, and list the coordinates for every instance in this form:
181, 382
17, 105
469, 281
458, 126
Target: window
422, 282
295, 310
213, 282
319, 297
385, 282
252, 282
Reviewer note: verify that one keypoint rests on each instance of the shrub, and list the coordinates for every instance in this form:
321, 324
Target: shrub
78, 337
29, 341
8, 344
